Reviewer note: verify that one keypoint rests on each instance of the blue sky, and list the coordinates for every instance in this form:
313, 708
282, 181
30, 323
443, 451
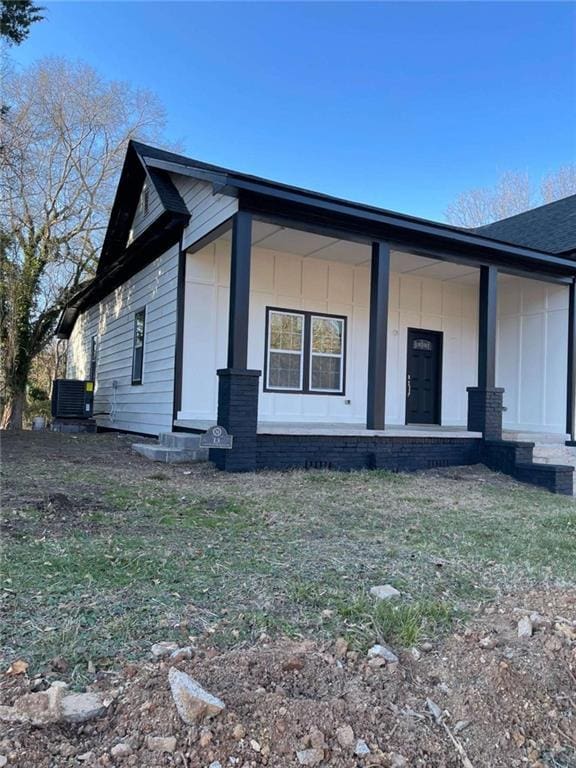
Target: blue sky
402, 105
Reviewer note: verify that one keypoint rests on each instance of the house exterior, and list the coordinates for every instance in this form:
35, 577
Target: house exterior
323, 332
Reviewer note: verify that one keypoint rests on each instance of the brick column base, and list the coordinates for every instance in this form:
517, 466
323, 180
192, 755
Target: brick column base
238, 413
485, 411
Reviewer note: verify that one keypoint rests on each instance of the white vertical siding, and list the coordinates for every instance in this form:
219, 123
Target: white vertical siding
140, 408
532, 353
293, 282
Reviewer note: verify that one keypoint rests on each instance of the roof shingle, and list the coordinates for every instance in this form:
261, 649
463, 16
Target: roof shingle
550, 228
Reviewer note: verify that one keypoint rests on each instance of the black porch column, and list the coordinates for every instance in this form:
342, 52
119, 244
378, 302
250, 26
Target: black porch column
485, 400
378, 335
237, 386
571, 372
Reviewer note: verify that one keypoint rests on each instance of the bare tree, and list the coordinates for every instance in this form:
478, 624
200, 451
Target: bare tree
561, 183
513, 194
64, 137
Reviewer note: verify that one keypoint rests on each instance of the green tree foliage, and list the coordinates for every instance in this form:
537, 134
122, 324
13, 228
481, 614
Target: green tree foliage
16, 18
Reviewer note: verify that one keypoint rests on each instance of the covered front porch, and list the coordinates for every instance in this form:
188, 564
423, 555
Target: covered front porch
319, 341
337, 429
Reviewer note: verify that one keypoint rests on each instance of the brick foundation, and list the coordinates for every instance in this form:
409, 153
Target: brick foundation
397, 454
238, 413
485, 408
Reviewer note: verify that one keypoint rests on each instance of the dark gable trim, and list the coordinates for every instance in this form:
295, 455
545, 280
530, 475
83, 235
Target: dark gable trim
288, 206
134, 174
337, 210
161, 235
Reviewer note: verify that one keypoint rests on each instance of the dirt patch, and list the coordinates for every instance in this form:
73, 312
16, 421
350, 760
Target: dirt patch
107, 553
509, 702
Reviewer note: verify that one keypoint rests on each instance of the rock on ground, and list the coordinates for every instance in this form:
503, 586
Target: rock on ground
525, 628
362, 748
384, 652
164, 648
161, 743
79, 707
192, 701
312, 756
384, 592
121, 750
345, 736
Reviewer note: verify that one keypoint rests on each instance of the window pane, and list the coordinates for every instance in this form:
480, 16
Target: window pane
284, 370
138, 351
139, 329
325, 373
327, 335
137, 367
286, 331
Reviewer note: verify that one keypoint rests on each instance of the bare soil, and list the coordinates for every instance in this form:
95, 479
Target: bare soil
506, 701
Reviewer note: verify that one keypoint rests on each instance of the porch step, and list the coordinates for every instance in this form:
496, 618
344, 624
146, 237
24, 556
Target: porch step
183, 440
170, 455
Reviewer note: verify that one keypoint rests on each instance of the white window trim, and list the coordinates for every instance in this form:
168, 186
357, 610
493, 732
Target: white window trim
327, 354
285, 351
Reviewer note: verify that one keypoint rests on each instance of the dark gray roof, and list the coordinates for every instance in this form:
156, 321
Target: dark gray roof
550, 227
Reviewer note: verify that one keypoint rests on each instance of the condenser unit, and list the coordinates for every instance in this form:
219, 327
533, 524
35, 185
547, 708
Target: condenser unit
72, 399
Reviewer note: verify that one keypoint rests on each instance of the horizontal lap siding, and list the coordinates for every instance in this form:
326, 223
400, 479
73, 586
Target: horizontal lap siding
208, 210
146, 407
143, 220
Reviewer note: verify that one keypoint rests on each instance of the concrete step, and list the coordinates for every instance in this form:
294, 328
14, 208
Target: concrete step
169, 455
183, 440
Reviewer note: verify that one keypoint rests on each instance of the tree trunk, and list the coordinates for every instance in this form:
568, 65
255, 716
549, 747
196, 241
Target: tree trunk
13, 410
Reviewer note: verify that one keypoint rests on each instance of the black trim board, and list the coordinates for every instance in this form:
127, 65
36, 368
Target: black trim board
179, 340
247, 185
156, 240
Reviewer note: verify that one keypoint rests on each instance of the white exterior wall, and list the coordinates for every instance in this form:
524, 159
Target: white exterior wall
293, 282
138, 408
208, 210
532, 353
147, 407
142, 221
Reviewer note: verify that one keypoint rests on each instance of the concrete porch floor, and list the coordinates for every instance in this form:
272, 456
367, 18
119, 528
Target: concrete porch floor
340, 430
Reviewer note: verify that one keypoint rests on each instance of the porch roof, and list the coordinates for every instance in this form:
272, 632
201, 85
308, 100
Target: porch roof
290, 206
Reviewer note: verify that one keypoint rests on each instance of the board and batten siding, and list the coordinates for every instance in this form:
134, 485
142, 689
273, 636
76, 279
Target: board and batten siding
146, 407
295, 282
532, 353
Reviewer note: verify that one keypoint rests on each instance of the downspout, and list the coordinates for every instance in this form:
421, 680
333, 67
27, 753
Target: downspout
179, 340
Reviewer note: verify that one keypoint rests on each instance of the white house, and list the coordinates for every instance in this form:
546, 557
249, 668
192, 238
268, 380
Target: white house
323, 332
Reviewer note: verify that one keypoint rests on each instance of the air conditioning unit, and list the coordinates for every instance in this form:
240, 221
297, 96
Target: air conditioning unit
72, 399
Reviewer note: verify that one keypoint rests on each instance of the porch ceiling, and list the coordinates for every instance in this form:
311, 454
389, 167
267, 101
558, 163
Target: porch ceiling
307, 244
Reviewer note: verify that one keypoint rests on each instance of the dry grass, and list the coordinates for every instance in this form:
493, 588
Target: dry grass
105, 553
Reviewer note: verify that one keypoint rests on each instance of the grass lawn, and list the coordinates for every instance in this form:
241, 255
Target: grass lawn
105, 553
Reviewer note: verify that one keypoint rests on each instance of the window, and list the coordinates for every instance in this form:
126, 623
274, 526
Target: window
305, 352
285, 350
327, 354
93, 357
138, 348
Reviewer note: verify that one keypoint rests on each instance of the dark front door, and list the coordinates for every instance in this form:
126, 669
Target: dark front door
423, 376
